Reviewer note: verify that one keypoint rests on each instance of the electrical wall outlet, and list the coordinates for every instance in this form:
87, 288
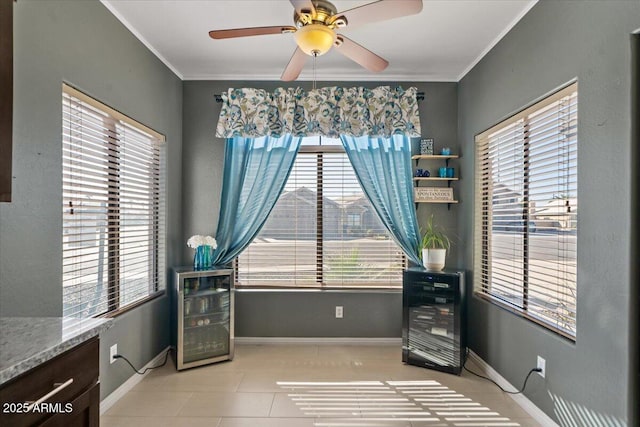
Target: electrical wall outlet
112, 352
339, 312
542, 364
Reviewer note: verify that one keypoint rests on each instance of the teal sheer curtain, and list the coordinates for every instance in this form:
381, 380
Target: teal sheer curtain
255, 173
383, 168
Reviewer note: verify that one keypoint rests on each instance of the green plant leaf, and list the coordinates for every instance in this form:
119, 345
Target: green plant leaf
434, 237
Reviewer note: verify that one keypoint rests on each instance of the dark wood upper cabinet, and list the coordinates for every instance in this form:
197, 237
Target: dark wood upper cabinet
6, 97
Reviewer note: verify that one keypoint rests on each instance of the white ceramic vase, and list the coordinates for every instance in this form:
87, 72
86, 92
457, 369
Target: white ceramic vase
433, 259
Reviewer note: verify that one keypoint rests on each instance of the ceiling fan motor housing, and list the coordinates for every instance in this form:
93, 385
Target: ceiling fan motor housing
325, 14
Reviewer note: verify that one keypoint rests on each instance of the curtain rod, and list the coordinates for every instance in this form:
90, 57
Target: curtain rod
419, 96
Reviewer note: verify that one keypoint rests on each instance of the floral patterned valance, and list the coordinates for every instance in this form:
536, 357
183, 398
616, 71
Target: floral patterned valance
328, 111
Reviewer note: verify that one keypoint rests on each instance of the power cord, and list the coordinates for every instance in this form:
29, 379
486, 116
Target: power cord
166, 357
498, 385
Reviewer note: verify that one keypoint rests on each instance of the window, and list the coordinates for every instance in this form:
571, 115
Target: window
113, 209
353, 220
322, 232
526, 212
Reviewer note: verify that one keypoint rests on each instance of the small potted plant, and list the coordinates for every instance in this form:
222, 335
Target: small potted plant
434, 246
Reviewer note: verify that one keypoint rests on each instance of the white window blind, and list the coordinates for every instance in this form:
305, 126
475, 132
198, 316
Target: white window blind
322, 232
113, 212
526, 212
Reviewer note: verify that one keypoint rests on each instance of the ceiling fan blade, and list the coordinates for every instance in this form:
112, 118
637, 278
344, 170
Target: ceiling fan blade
380, 10
253, 31
295, 65
360, 54
304, 5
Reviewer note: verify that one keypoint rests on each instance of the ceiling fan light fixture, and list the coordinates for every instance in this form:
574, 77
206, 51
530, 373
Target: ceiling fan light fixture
315, 39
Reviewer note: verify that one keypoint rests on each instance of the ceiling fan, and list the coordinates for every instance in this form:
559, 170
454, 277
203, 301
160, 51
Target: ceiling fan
314, 30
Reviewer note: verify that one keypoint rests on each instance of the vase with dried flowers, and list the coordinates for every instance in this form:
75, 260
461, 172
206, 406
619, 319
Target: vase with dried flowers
204, 246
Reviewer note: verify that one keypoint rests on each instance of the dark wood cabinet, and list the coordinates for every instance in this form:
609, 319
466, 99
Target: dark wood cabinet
73, 376
86, 411
6, 98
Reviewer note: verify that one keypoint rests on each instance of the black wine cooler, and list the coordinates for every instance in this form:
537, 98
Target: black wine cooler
433, 318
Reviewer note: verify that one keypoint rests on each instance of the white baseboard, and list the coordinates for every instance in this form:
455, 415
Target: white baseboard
318, 341
126, 386
535, 412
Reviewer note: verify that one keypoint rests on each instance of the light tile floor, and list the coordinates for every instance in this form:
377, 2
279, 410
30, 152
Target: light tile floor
311, 385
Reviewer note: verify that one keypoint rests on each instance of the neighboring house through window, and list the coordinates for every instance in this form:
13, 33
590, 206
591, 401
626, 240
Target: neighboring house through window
112, 208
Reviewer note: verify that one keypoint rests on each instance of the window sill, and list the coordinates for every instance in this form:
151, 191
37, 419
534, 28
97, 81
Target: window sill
319, 290
494, 301
129, 307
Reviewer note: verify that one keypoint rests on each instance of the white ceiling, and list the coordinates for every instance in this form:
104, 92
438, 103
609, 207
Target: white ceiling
441, 43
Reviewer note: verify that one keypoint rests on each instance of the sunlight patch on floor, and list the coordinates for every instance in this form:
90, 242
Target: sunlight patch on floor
378, 403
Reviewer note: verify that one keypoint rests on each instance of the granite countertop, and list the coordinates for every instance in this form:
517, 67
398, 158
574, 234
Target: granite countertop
26, 342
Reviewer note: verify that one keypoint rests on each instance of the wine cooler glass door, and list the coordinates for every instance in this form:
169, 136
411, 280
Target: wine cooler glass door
432, 330
205, 317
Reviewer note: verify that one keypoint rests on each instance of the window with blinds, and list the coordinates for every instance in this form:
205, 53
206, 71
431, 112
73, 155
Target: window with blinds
322, 232
526, 212
112, 212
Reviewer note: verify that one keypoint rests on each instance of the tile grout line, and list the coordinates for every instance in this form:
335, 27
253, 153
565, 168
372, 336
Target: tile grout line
239, 382
191, 395
273, 400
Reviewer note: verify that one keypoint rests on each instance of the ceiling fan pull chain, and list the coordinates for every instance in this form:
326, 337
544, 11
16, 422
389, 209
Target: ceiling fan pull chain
314, 71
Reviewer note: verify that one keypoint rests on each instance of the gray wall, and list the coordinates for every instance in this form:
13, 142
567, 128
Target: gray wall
554, 43
82, 43
312, 314
301, 313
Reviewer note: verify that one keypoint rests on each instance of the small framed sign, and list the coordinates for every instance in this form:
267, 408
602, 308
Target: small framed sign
431, 194
426, 146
